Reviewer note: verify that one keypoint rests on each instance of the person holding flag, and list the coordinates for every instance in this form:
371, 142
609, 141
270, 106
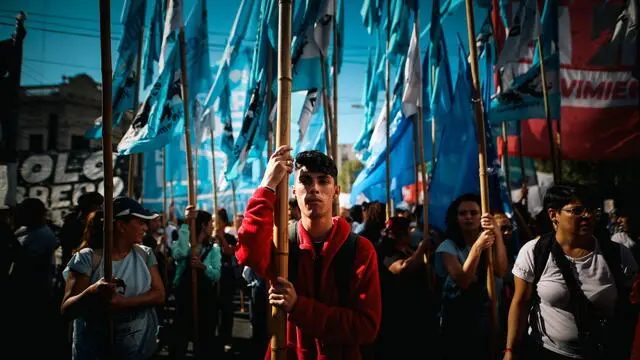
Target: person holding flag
332, 296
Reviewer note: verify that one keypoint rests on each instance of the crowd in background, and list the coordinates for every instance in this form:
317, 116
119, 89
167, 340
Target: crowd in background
432, 286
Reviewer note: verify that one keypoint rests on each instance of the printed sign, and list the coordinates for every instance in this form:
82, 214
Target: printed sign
59, 178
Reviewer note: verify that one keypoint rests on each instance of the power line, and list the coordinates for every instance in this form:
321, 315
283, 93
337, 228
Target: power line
48, 23
29, 13
62, 64
94, 21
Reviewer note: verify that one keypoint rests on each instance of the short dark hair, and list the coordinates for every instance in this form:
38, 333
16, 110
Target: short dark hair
293, 203
223, 216
315, 161
560, 195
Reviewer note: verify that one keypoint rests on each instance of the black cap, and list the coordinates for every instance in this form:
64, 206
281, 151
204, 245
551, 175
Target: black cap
124, 206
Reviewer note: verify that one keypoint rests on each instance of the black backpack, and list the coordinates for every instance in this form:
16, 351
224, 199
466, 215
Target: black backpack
600, 337
344, 260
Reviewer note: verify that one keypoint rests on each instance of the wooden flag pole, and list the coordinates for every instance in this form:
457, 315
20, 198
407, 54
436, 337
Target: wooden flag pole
327, 107
428, 256
107, 146
505, 157
164, 186
387, 75
557, 175
213, 162
482, 162
234, 204
521, 155
192, 190
269, 101
334, 111
547, 113
283, 127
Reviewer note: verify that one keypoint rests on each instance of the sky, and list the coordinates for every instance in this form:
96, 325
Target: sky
63, 40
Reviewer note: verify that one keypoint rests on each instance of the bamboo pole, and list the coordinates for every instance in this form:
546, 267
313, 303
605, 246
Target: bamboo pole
559, 148
269, 102
387, 75
192, 190
165, 271
505, 157
234, 204
213, 162
547, 113
164, 186
482, 162
327, 107
423, 171
107, 147
416, 160
283, 124
434, 153
334, 111
521, 155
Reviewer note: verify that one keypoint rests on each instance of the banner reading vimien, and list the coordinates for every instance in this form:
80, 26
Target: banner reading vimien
59, 178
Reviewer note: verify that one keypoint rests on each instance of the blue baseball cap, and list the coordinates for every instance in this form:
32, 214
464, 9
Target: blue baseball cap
125, 206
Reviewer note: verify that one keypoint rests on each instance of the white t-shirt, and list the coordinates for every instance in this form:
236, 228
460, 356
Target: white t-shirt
558, 329
623, 239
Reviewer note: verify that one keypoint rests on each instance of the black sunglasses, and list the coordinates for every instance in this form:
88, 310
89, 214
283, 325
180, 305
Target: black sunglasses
583, 211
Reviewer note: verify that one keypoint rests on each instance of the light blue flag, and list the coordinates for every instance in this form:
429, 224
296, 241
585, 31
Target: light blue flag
245, 24
499, 197
224, 110
162, 110
252, 138
400, 35
371, 181
153, 42
311, 127
373, 84
340, 29
456, 171
305, 52
371, 13
521, 97
176, 177
199, 70
124, 83
377, 142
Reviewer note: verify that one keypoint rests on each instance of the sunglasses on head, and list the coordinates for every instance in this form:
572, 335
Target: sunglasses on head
583, 211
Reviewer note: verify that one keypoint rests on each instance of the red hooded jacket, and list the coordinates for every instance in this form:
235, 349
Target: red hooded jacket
317, 328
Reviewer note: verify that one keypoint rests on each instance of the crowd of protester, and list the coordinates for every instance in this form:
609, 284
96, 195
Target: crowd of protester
565, 280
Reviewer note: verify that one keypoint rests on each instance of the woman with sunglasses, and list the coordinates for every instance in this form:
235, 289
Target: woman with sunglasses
571, 286
461, 265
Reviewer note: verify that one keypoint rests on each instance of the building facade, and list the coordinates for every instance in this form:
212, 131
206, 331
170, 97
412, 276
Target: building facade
56, 117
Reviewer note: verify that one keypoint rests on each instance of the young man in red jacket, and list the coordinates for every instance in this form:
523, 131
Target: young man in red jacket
319, 325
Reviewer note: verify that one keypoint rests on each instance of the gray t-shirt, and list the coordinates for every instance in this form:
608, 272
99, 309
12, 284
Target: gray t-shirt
134, 330
558, 331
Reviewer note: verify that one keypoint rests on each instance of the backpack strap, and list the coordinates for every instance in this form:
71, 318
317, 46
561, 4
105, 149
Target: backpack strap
541, 252
344, 260
294, 252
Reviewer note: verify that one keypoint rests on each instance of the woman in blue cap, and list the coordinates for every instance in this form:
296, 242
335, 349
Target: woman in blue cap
129, 299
